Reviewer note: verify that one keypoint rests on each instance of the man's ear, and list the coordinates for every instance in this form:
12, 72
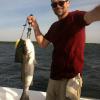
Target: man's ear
68, 3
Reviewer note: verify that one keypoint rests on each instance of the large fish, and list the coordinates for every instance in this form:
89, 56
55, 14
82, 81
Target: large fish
27, 69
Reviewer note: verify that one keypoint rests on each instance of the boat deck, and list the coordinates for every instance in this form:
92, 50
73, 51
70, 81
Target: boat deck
7, 93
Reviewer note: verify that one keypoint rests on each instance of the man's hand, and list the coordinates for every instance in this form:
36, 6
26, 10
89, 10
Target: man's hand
38, 35
31, 20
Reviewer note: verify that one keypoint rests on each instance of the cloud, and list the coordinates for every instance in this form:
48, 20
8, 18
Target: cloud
84, 4
14, 12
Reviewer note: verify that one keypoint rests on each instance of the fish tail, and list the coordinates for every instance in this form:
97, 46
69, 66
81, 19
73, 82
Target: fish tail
24, 96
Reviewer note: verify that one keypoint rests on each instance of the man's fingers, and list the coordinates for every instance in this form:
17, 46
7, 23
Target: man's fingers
31, 19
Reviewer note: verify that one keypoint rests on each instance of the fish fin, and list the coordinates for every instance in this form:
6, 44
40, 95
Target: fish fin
24, 96
16, 44
35, 62
32, 83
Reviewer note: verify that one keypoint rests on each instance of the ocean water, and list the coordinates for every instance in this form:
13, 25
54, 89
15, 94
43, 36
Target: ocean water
10, 71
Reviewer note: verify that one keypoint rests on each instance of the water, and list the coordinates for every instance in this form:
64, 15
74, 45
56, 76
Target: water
10, 71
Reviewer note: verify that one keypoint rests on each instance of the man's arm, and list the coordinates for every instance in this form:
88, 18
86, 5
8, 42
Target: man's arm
93, 15
38, 35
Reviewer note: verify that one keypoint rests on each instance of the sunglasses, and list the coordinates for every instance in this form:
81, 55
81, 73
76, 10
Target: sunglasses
60, 3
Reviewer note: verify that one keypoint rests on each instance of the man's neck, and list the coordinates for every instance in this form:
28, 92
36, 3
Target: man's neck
63, 16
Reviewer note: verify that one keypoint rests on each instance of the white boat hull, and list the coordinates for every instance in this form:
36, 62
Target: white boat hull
7, 93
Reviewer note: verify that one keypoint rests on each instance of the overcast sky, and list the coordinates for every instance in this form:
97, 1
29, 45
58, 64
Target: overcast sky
13, 14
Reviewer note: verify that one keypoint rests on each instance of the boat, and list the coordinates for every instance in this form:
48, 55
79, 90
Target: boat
8, 93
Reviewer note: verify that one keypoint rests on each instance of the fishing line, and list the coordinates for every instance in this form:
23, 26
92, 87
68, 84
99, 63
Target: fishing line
24, 28
28, 29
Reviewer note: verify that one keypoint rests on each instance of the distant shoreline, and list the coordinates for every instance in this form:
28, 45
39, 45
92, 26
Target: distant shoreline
12, 41
35, 42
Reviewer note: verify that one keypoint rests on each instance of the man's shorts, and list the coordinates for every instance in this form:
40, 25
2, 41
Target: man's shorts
64, 89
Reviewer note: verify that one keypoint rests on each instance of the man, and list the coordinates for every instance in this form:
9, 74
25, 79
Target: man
68, 38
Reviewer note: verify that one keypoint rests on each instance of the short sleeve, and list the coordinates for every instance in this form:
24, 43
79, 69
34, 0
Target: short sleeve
79, 17
49, 34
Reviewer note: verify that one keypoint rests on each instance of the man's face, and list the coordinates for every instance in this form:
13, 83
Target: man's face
59, 6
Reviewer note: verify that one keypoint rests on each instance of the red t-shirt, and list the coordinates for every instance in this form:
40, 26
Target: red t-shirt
68, 38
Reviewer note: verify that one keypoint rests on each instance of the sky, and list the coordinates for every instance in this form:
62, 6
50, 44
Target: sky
13, 14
